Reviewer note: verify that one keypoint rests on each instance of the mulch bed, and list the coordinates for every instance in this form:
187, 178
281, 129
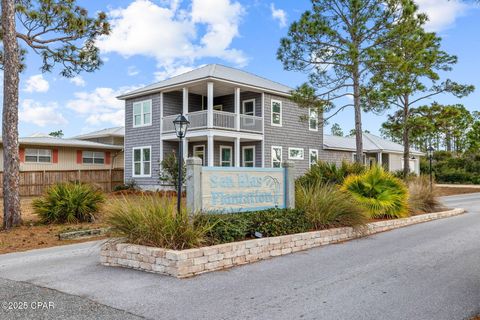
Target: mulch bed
450, 191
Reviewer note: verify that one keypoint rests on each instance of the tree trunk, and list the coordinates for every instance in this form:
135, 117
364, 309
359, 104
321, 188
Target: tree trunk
406, 139
358, 116
11, 167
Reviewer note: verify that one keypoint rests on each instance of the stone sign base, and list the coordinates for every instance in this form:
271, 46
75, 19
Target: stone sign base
187, 263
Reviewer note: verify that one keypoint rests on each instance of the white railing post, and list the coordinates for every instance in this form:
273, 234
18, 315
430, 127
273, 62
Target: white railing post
210, 104
237, 109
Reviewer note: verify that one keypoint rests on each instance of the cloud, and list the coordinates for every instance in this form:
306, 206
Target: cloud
41, 114
78, 81
169, 72
100, 106
132, 71
37, 83
441, 13
279, 14
176, 37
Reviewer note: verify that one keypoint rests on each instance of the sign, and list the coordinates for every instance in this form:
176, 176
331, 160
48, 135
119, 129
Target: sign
226, 189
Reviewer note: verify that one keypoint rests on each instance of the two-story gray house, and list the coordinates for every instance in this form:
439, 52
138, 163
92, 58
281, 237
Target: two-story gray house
237, 119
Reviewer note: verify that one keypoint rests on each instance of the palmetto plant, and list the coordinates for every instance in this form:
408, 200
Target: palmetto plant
325, 172
69, 202
379, 192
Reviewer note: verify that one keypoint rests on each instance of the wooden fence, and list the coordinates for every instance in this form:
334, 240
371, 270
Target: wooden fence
34, 183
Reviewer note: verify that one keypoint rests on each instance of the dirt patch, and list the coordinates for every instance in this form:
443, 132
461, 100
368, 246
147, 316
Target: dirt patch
450, 191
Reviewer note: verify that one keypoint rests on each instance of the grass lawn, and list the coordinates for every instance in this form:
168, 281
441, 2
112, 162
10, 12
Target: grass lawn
33, 235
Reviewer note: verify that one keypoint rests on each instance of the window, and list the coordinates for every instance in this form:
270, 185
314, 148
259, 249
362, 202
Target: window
225, 156
141, 162
295, 154
218, 107
199, 152
142, 113
276, 157
248, 107
38, 155
91, 157
312, 120
276, 113
248, 156
313, 156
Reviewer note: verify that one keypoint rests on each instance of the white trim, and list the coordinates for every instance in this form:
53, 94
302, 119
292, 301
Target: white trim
37, 155
309, 118
204, 149
141, 162
243, 106
237, 152
263, 129
161, 127
221, 153
271, 113
310, 156
243, 155
93, 157
302, 157
216, 132
271, 155
142, 124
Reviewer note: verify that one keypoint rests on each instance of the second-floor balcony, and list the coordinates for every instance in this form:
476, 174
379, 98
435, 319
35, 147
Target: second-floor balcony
220, 120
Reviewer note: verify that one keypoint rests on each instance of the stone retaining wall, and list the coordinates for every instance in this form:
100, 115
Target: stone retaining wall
187, 263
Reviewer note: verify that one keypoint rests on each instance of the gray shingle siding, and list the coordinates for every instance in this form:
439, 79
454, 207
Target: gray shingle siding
143, 137
293, 133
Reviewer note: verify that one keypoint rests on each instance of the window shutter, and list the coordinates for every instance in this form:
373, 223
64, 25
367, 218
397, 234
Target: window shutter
21, 152
79, 156
55, 156
107, 157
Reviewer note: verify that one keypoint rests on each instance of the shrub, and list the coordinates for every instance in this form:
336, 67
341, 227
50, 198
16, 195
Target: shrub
226, 227
168, 173
324, 172
153, 221
422, 198
69, 202
379, 192
325, 205
129, 185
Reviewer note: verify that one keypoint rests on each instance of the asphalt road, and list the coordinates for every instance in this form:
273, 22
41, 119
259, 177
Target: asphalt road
426, 271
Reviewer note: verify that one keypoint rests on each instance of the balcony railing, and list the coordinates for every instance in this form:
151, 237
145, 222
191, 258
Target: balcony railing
221, 120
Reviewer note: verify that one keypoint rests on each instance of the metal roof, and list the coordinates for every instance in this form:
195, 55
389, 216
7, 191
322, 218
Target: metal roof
109, 132
59, 142
214, 71
371, 143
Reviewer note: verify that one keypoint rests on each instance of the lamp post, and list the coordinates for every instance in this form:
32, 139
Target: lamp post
430, 157
181, 126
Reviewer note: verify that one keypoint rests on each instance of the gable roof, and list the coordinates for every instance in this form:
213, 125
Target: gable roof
213, 71
371, 143
109, 132
59, 142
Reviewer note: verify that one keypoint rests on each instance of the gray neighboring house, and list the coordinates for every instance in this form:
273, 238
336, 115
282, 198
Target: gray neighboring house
376, 150
236, 119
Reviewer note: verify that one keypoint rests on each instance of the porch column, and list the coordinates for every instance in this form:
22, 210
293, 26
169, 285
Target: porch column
210, 104
237, 152
185, 101
161, 126
379, 159
210, 148
185, 148
237, 109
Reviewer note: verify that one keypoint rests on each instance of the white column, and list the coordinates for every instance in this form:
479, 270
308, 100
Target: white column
237, 152
237, 109
263, 130
210, 148
379, 159
185, 101
161, 126
210, 104
185, 148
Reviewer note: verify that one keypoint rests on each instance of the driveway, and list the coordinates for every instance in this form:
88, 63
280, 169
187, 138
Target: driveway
426, 271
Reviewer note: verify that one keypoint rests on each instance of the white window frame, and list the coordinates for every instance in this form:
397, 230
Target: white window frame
310, 151
310, 110
231, 155
37, 155
281, 155
142, 114
198, 146
93, 157
243, 155
243, 107
271, 113
301, 157
142, 162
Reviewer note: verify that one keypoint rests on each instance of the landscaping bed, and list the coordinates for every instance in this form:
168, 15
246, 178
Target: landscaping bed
454, 190
191, 262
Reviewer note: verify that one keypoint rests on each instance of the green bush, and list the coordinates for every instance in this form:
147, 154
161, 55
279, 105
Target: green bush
379, 192
129, 185
422, 198
325, 205
324, 172
226, 227
453, 169
69, 202
153, 221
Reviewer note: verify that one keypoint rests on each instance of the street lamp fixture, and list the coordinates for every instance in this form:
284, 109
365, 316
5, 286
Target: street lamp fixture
181, 126
430, 151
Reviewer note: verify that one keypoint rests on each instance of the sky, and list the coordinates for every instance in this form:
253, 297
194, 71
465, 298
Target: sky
154, 39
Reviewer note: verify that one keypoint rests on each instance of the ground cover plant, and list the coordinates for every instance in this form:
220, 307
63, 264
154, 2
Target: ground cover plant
423, 197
